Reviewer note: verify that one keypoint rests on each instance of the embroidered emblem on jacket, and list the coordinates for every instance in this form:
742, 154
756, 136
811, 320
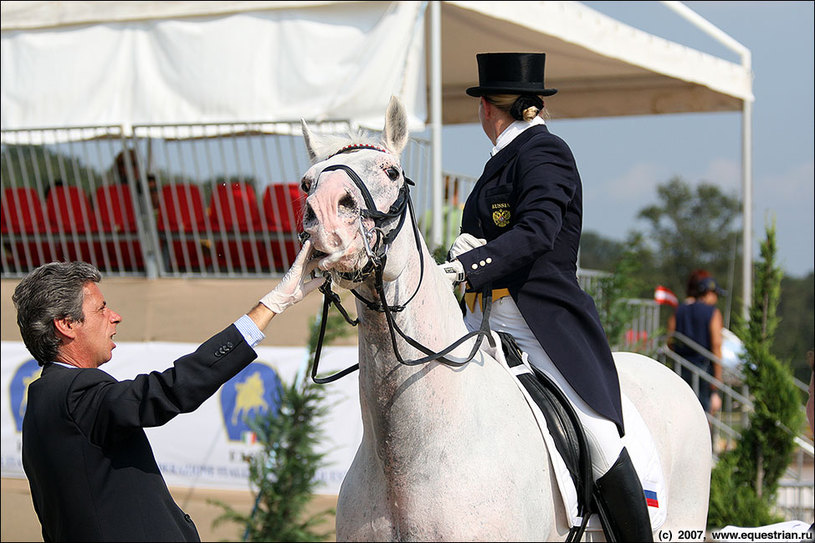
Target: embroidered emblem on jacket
501, 214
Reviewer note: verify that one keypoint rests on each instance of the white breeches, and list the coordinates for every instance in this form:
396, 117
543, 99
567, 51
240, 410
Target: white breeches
603, 439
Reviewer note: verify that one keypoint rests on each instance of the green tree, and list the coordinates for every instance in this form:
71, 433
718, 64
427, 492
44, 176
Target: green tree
282, 472
611, 294
692, 228
598, 252
40, 167
745, 479
796, 331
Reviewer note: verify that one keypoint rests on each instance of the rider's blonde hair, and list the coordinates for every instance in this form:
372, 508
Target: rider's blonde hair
524, 107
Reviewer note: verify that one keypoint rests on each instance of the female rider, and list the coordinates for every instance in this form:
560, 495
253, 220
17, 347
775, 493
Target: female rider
521, 229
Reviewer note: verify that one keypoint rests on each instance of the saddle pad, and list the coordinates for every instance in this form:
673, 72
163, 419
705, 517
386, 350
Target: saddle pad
637, 440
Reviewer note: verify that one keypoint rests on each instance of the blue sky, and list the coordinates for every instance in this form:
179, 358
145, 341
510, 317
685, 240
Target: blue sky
622, 160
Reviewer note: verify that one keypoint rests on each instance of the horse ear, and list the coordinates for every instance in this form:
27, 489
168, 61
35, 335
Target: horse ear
307, 137
396, 130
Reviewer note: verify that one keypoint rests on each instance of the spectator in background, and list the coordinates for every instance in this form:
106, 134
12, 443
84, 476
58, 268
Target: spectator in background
58, 182
693, 282
126, 166
699, 319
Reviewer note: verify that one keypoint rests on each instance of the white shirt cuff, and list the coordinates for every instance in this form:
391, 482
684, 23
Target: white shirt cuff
249, 330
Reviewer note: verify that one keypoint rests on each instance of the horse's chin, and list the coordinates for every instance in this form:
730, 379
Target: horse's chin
347, 262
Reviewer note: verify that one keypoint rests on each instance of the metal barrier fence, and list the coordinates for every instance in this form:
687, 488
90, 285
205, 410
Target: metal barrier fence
641, 333
214, 200
795, 498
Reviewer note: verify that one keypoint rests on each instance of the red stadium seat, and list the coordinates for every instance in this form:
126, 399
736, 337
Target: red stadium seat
182, 226
234, 208
283, 217
283, 207
235, 219
71, 220
114, 205
69, 210
22, 211
23, 227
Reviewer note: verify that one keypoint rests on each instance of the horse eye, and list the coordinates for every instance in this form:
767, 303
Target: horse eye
393, 173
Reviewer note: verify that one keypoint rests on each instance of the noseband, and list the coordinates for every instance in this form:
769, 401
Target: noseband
377, 256
377, 252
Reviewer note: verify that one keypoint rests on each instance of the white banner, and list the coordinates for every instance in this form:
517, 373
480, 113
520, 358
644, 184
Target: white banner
205, 448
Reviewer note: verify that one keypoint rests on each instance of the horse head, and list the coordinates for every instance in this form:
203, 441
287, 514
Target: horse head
358, 199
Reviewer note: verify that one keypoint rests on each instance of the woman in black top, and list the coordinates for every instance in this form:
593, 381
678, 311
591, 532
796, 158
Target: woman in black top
699, 319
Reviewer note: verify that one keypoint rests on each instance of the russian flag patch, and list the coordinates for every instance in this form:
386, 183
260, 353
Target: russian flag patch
651, 498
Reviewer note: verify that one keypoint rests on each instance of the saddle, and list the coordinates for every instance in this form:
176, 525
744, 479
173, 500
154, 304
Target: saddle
564, 427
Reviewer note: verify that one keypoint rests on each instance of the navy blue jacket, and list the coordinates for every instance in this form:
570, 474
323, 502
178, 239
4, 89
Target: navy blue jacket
91, 469
528, 205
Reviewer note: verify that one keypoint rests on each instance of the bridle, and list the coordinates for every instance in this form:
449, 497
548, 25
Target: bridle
377, 258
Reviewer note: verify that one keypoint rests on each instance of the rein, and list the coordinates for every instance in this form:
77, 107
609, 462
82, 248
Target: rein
376, 265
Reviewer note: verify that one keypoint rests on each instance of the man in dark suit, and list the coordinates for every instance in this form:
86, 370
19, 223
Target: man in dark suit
91, 469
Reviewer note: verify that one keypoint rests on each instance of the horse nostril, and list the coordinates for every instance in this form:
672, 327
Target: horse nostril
308, 214
347, 203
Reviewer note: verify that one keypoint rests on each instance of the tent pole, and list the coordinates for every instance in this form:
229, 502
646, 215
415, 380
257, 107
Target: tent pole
747, 207
436, 121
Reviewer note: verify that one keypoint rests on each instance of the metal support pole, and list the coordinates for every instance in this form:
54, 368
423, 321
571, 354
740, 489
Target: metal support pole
435, 122
747, 207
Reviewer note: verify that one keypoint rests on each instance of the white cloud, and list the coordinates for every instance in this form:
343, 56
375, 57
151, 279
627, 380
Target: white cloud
724, 173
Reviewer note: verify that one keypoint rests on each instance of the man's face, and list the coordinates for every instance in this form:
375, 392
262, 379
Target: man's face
94, 337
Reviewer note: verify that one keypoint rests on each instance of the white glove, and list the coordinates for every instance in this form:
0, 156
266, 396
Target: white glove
464, 243
453, 271
294, 287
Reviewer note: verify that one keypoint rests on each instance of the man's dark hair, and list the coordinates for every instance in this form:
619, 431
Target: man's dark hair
52, 291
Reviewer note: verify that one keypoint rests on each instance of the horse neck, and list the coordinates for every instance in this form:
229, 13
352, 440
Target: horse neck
432, 317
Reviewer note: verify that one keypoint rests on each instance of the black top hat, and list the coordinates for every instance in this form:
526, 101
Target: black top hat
510, 73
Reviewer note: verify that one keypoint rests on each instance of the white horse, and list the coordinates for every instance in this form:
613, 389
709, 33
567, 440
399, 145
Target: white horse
453, 453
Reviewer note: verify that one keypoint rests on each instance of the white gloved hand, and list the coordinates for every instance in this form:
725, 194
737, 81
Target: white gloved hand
453, 271
295, 284
464, 243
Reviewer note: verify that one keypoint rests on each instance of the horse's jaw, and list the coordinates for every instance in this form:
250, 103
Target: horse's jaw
345, 259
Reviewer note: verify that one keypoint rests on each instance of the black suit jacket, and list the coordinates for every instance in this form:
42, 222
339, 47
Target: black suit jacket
528, 205
91, 469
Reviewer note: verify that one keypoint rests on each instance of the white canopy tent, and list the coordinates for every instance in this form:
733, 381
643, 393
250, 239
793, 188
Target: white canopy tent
140, 62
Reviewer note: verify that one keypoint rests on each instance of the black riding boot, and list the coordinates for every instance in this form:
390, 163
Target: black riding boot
621, 503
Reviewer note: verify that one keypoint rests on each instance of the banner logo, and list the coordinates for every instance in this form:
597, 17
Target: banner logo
28, 372
255, 390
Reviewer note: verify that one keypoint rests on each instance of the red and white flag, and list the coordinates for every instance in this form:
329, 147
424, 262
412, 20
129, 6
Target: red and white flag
663, 295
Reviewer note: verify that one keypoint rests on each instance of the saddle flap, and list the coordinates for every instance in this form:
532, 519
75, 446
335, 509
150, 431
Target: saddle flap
561, 421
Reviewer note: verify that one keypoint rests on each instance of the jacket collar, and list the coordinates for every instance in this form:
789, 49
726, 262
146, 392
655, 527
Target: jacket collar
51, 366
507, 153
